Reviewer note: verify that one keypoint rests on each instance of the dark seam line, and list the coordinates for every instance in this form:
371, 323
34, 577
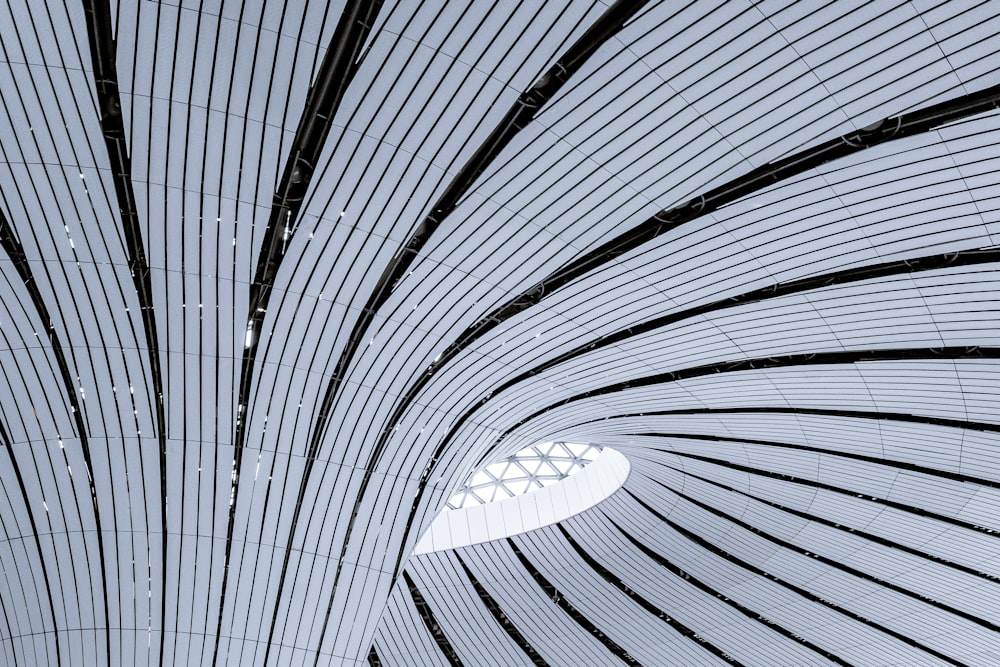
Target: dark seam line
9, 446
239, 130
501, 617
915, 123
681, 629
833, 524
103, 59
553, 593
10, 638
432, 625
341, 63
818, 412
902, 267
336, 72
518, 117
812, 597
332, 80
842, 491
5, 442
901, 465
189, 160
16, 253
764, 363
746, 611
835, 564
889, 129
847, 276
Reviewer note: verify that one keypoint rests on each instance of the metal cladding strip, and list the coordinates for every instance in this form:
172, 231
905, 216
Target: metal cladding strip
3, 607
6, 619
812, 359
812, 597
8, 445
335, 74
340, 64
501, 617
901, 267
889, 129
16, 253
691, 579
517, 118
818, 412
432, 625
831, 562
847, 276
994, 532
103, 59
965, 569
682, 629
901, 465
750, 364
553, 593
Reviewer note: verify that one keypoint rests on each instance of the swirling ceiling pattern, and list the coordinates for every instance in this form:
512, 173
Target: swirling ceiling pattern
276, 277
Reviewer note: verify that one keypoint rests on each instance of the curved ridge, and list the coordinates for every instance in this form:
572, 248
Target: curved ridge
889, 129
553, 216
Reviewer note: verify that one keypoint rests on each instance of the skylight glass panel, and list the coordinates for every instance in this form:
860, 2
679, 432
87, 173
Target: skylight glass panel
529, 469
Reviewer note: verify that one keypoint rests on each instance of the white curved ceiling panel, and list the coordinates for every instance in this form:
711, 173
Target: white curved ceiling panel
274, 278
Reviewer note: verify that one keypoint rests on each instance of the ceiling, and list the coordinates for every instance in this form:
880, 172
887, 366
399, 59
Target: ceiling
277, 277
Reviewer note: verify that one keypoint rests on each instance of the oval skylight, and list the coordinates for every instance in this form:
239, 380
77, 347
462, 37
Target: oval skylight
529, 469
537, 487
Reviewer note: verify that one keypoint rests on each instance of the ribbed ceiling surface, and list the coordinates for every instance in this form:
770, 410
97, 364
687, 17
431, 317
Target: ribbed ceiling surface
277, 276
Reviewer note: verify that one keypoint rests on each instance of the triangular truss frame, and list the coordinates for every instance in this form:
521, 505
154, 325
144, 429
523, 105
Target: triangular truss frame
530, 469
